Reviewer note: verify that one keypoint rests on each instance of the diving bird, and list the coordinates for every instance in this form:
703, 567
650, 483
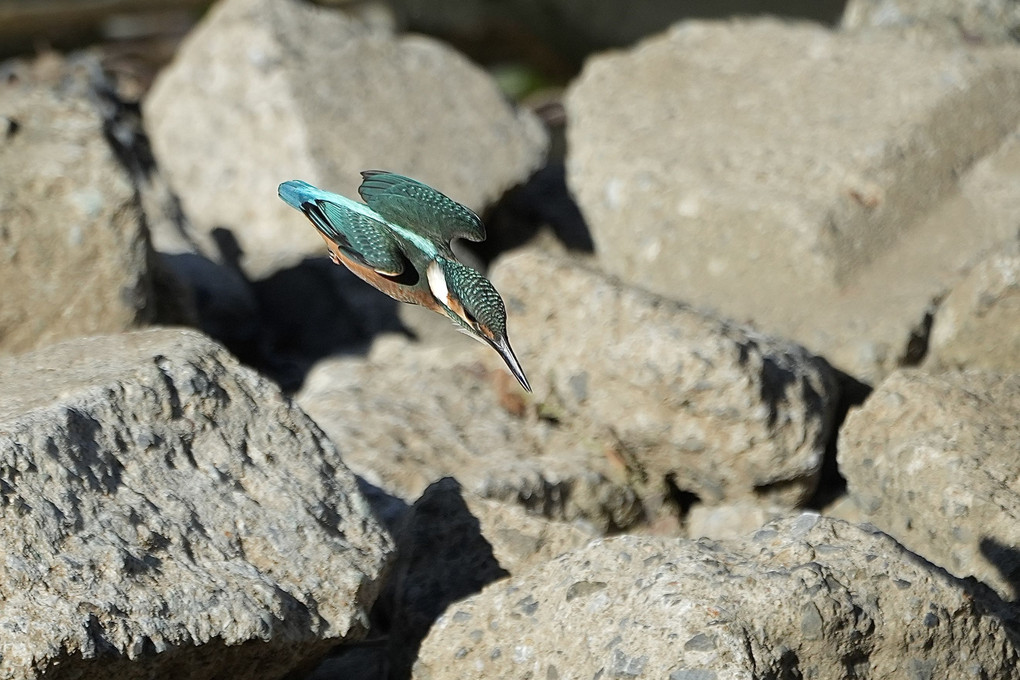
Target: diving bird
398, 241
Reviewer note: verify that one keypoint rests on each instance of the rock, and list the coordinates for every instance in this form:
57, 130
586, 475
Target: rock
781, 173
685, 400
730, 520
976, 325
844, 508
264, 91
74, 254
804, 597
169, 513
932, 460
452, 544
969, 22
411, 415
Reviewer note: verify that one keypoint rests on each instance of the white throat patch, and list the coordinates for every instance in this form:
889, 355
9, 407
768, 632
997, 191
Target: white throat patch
437, 283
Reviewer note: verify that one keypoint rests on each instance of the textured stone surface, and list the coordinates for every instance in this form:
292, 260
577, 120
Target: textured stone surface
960, 21
729, 520
933, 461
450, 545
74, 255
168, 513
804, 597
714, 408
977, 325
766, 169
411, 415
269, 90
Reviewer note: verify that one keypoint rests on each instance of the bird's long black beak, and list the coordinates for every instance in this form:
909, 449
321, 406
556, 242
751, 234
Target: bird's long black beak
502, 346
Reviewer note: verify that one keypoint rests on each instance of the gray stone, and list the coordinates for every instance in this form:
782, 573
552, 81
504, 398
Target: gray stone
932, 460
729, 520
167, 512
781, 173
804, 597
74, 253
976, 325
953, 21
269, 90
681, 398
411, 415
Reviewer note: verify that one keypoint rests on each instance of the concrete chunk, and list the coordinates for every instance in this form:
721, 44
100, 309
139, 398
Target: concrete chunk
761, 168
167, 513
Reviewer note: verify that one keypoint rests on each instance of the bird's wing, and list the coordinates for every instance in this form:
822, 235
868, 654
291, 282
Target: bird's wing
363, 239
419, 207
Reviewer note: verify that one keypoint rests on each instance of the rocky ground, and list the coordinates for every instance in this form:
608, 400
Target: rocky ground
763, 274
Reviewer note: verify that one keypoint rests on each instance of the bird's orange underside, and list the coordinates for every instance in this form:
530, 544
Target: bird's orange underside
370, 276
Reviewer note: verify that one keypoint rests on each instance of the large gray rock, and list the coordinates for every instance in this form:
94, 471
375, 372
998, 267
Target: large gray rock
709, 407
976, 325
74, 253
411, 415
168, 512
269, 90
966, 21
804, 597
933, 461
773, 170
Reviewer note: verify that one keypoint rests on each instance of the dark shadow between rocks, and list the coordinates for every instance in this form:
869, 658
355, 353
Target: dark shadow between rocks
1006, 559
387, 509
542, 201
285, 655
315, 309
831, 483
442, 557
283, 324
223, 301
681, 500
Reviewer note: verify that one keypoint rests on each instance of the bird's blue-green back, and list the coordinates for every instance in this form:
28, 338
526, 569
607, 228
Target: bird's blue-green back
418, 207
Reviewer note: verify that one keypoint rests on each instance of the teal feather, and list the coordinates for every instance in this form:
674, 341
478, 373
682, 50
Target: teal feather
361, 238
418, 207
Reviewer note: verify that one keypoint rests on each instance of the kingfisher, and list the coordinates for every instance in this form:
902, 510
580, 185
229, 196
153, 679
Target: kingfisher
398, 241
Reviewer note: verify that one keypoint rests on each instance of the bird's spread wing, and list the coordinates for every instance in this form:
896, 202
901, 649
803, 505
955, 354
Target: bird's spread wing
419, 207
358, 236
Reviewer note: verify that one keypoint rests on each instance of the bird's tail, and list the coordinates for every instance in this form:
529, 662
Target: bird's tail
296, 193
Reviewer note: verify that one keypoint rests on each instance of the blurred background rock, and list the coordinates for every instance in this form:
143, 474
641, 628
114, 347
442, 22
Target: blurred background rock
552, 37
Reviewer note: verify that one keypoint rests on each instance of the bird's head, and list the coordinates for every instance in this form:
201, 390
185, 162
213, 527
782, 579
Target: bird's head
475, 307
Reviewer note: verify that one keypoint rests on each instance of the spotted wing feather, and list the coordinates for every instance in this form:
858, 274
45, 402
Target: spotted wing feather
419, 207
358, 236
